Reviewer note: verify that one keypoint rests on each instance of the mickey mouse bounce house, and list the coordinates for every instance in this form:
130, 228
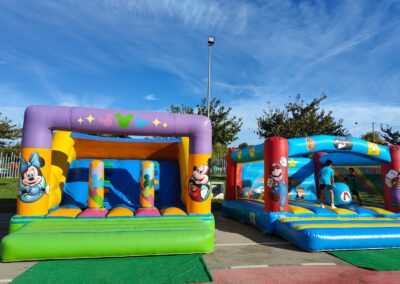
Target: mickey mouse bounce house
84, 196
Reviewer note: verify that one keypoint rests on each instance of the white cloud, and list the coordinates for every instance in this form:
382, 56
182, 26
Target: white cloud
150, 97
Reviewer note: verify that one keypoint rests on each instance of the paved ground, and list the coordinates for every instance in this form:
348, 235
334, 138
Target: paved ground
241, 245
242, 254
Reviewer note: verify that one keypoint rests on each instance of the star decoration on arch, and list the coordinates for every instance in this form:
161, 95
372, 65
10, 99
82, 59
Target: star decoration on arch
90, 118
156, 122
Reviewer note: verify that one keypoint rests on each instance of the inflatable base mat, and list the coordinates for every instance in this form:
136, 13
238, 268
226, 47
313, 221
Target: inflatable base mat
93, 238
325, 234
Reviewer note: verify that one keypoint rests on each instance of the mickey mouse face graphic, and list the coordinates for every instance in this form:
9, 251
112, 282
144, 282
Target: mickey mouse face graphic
32, 183
199, 185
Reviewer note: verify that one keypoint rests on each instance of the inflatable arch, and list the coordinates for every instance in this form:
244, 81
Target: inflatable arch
135, 196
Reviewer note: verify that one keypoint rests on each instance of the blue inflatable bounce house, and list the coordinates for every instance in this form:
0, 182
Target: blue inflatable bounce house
275, 186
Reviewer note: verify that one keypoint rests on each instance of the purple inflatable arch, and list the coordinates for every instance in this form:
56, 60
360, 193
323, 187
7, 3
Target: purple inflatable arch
40, 121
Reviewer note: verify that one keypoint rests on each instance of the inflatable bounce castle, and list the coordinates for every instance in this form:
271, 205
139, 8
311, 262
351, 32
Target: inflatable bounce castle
83, 195
274, 186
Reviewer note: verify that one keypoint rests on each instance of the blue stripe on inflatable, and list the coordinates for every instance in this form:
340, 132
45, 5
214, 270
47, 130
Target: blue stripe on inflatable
360, 210
338, 221
325, 143
318, 239
249, 154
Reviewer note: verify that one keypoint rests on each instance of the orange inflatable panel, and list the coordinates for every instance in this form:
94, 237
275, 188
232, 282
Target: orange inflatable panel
172, 211
120, 211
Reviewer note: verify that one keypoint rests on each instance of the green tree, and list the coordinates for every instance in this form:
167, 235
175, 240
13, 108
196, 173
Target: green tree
298, 119
9, 133
219, 150
225, 126
373, 137
391, 136
243, 145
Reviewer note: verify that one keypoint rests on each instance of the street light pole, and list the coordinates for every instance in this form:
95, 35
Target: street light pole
356, 127
211, 41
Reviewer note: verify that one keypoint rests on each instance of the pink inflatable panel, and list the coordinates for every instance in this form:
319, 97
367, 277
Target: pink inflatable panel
151, 211
94, 212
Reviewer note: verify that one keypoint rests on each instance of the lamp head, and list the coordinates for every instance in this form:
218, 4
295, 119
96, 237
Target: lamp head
211, 40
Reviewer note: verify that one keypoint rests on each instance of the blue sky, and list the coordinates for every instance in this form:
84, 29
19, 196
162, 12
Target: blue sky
147, 55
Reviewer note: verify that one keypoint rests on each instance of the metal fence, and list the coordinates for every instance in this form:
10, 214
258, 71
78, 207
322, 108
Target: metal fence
9, 165
218, 166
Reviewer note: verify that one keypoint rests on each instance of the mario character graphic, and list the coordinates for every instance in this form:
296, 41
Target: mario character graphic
199, 184
392, 180
278, 187
32, 185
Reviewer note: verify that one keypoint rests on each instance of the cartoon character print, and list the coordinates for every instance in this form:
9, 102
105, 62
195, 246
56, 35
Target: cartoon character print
392, 180
32, 185
199, 184
278, 187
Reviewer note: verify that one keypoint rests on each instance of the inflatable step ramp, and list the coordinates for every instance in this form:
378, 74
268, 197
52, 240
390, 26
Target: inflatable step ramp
84, 238
340, 233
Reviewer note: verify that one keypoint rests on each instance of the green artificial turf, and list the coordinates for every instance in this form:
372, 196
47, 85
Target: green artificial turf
379, 259
146, 269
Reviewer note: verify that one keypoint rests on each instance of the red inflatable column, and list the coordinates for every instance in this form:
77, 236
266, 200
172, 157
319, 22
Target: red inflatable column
318, 166
391, 180
276, 174
230, 176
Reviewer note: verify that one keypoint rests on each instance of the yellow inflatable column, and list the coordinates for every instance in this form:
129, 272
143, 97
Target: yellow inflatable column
33, 194
183, 158
199, 198
63, 153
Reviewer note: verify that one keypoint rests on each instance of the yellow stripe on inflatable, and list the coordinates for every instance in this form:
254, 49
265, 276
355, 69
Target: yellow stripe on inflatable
378, 210
299, 210
337, 219
340, 211
338, 226
254, 200
65, 212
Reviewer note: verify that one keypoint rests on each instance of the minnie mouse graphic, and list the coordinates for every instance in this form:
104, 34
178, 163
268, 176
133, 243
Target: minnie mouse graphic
32, 184
199, 184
